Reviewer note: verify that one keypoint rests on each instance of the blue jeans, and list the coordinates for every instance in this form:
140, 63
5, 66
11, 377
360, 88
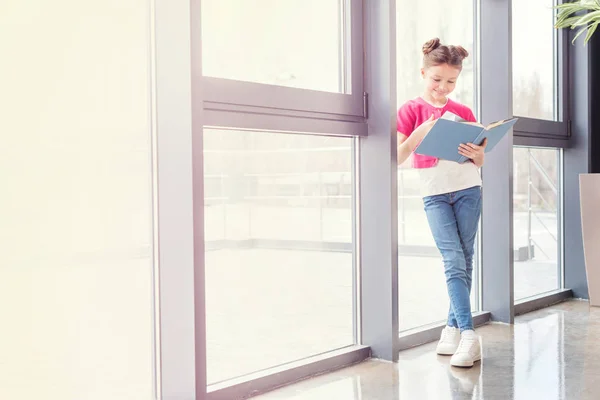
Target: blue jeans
453, 219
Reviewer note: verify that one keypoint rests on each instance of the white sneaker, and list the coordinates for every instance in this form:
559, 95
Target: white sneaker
448, 341
469, 350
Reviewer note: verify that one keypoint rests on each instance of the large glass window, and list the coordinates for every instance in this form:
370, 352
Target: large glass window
294, 43
76, 266
279, 248
535, 83
536, 216
422, 288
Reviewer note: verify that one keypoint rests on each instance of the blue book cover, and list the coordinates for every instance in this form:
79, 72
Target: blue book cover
451, 131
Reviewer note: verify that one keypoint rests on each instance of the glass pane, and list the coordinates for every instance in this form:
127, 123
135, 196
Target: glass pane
536, 220
534, 66
76, 264
422, 284
294, 43
279, 258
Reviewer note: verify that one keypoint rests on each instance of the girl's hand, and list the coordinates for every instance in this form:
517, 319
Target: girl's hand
423, 129
473, 152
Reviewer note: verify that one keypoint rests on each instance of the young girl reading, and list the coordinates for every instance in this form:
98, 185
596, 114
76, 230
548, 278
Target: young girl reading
451, 193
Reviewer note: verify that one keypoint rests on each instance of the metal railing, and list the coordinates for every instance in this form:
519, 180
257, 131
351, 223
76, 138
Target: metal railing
321, 179
318, 178
531, 213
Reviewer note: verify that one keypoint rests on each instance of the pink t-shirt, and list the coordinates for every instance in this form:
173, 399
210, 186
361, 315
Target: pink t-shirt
414, 112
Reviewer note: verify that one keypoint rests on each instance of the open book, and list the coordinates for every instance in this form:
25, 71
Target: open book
450, 131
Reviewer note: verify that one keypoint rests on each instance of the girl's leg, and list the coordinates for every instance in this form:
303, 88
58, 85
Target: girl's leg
444, 227
467, 209
468, 251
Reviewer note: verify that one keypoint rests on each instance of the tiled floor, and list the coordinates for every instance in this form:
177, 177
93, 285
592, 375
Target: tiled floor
548, 354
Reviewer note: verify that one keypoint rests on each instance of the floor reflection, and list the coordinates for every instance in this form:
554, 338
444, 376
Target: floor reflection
548, 354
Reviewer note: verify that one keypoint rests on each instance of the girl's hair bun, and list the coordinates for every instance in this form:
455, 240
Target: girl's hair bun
431, 45
459, 51
435, 53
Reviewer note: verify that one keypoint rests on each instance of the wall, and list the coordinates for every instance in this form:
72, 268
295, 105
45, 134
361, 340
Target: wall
76, 267
577, 161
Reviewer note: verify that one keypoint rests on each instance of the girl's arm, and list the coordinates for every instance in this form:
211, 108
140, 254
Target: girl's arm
404, 148
407, 144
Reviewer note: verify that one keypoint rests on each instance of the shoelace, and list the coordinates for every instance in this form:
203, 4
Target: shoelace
465, 344
445, 335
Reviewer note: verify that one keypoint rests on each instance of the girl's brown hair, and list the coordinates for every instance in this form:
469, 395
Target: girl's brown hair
435, 53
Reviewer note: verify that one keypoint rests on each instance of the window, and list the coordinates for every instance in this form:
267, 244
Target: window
301, 55
422, 286
279, 248
535, 65
267, 41
539, 100
536, 219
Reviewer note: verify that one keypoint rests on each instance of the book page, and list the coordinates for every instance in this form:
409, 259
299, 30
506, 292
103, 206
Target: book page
450, 116
495, 124
474, 124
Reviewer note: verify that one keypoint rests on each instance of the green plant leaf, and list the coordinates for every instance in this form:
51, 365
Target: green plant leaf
567, 13
567, 5
578, 6
583, 15
564, 13
591, 30
566, 22
570, 7
594, 4
589, 4
581, 31
587, 18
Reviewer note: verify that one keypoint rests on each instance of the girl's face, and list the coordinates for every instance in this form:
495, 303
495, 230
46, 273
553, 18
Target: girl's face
440, 81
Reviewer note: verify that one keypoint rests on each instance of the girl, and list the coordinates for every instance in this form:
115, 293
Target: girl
451, 193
